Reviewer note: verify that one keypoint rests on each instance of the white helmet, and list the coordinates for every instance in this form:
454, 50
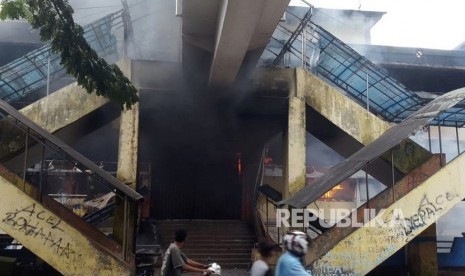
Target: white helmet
296, 242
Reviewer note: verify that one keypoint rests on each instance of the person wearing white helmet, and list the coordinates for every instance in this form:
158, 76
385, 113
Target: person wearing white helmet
290, 263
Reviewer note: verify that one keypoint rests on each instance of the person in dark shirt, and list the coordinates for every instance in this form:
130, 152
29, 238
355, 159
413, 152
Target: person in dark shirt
175, 262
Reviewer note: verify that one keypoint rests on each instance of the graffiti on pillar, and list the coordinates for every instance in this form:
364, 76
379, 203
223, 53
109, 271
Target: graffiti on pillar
38, 224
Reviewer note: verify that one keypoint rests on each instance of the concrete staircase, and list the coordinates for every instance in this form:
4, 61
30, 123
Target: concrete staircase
227, 242
45, 226
362, 249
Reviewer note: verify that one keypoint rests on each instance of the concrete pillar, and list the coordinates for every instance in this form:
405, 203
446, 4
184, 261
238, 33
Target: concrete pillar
128, 139
127, 169
295, 147
422, 257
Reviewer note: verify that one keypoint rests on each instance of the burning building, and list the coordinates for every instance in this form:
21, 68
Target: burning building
243, 111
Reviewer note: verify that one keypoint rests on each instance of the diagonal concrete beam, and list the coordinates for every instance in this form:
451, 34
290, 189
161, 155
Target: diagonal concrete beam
271, 15
242, 25
63, 107
235, 28
329, 239
397, 225
52, 238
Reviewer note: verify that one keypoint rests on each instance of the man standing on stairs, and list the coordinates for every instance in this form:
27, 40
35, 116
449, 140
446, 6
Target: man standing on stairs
290, 263
175, 262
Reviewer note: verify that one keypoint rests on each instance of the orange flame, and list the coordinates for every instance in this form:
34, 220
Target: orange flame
330, 194
238, 164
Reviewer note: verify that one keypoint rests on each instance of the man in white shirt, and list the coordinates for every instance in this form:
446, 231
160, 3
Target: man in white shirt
260, 267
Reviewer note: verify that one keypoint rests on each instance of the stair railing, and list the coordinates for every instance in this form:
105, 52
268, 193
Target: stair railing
341, 66
32, 177
265, 223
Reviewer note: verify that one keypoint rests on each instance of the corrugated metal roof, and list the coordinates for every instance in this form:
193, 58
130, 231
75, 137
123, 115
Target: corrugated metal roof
360, 79
28, 73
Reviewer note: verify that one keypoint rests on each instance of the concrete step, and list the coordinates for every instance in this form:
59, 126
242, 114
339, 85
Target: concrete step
230, 263
213, 245
228, 243
197, 221
232, 236
217, 248
221, 250
202, 256
193, 233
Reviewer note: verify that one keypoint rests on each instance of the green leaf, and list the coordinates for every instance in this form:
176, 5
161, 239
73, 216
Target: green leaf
13, 9
54, 19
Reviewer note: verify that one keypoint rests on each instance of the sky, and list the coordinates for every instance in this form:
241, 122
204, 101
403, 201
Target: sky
436, 24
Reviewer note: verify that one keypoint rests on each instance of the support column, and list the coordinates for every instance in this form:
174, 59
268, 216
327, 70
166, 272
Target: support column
128, 139
127, 169
295, 147
422, 257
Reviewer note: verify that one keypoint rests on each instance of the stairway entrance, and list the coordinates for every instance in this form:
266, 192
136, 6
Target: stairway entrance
226, 242
195, 173
193, 195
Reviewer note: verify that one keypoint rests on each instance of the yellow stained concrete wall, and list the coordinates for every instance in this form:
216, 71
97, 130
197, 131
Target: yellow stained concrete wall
339, 109
355, 120
295, 147
344, 113
128, 138
63, 107
71, 103
127, 168
52, 113
295, 139
50, 238
370, 245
